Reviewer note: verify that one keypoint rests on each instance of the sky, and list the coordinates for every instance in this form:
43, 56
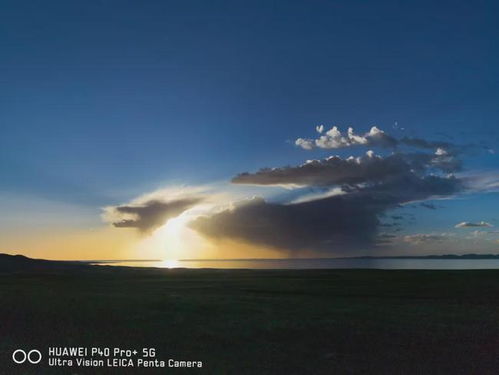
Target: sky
140, 130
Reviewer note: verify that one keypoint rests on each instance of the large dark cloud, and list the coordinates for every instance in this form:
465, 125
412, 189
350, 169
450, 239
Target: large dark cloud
151, 214
335, 223
317, 225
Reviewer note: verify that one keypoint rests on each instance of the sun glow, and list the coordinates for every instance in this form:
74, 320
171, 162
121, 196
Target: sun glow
174, 240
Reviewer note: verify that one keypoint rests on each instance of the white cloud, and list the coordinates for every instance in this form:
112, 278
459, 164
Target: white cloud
315, 196
334, 138
306, 144
467, 224
441, 152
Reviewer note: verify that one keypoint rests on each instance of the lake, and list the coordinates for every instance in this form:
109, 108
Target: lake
356, 263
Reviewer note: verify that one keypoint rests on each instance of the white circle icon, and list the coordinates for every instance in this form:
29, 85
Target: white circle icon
38, 355
33, 356
15, 356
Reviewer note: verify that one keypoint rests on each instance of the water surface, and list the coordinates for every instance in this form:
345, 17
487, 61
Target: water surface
354, 263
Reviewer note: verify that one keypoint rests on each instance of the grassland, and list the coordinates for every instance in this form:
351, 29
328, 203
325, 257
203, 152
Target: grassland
258, 321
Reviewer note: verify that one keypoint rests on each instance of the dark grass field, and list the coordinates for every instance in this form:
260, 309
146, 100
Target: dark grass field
257, 321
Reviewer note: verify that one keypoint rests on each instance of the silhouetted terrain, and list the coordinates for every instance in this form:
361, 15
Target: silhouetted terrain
19, 263
255, 321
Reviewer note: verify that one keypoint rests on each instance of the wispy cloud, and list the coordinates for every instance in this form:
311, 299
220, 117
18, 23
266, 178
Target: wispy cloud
149, 215
153, 210
423, 237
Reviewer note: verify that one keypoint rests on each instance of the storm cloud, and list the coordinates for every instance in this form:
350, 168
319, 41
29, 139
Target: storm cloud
317, 225
341, 222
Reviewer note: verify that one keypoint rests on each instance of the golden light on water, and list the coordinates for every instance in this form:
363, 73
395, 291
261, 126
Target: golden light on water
170, 263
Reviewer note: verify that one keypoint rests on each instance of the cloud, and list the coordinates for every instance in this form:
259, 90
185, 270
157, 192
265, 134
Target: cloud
356, 191
335, 223
335, 205
430, 206
334, 138
487, 181
411, 188
330, 171
334, 170
338, 222
440, 147
446, 162
306, 144
148, 215
318, 195
479, 233
424, 238
467, 224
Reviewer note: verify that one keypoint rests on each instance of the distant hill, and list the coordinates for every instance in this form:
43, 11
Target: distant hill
17, 263
443, 256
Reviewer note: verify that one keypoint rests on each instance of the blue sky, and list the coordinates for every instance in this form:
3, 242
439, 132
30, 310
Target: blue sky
103, 101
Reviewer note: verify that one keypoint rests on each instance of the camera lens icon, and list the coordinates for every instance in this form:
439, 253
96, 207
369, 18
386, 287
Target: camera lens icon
33, 356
